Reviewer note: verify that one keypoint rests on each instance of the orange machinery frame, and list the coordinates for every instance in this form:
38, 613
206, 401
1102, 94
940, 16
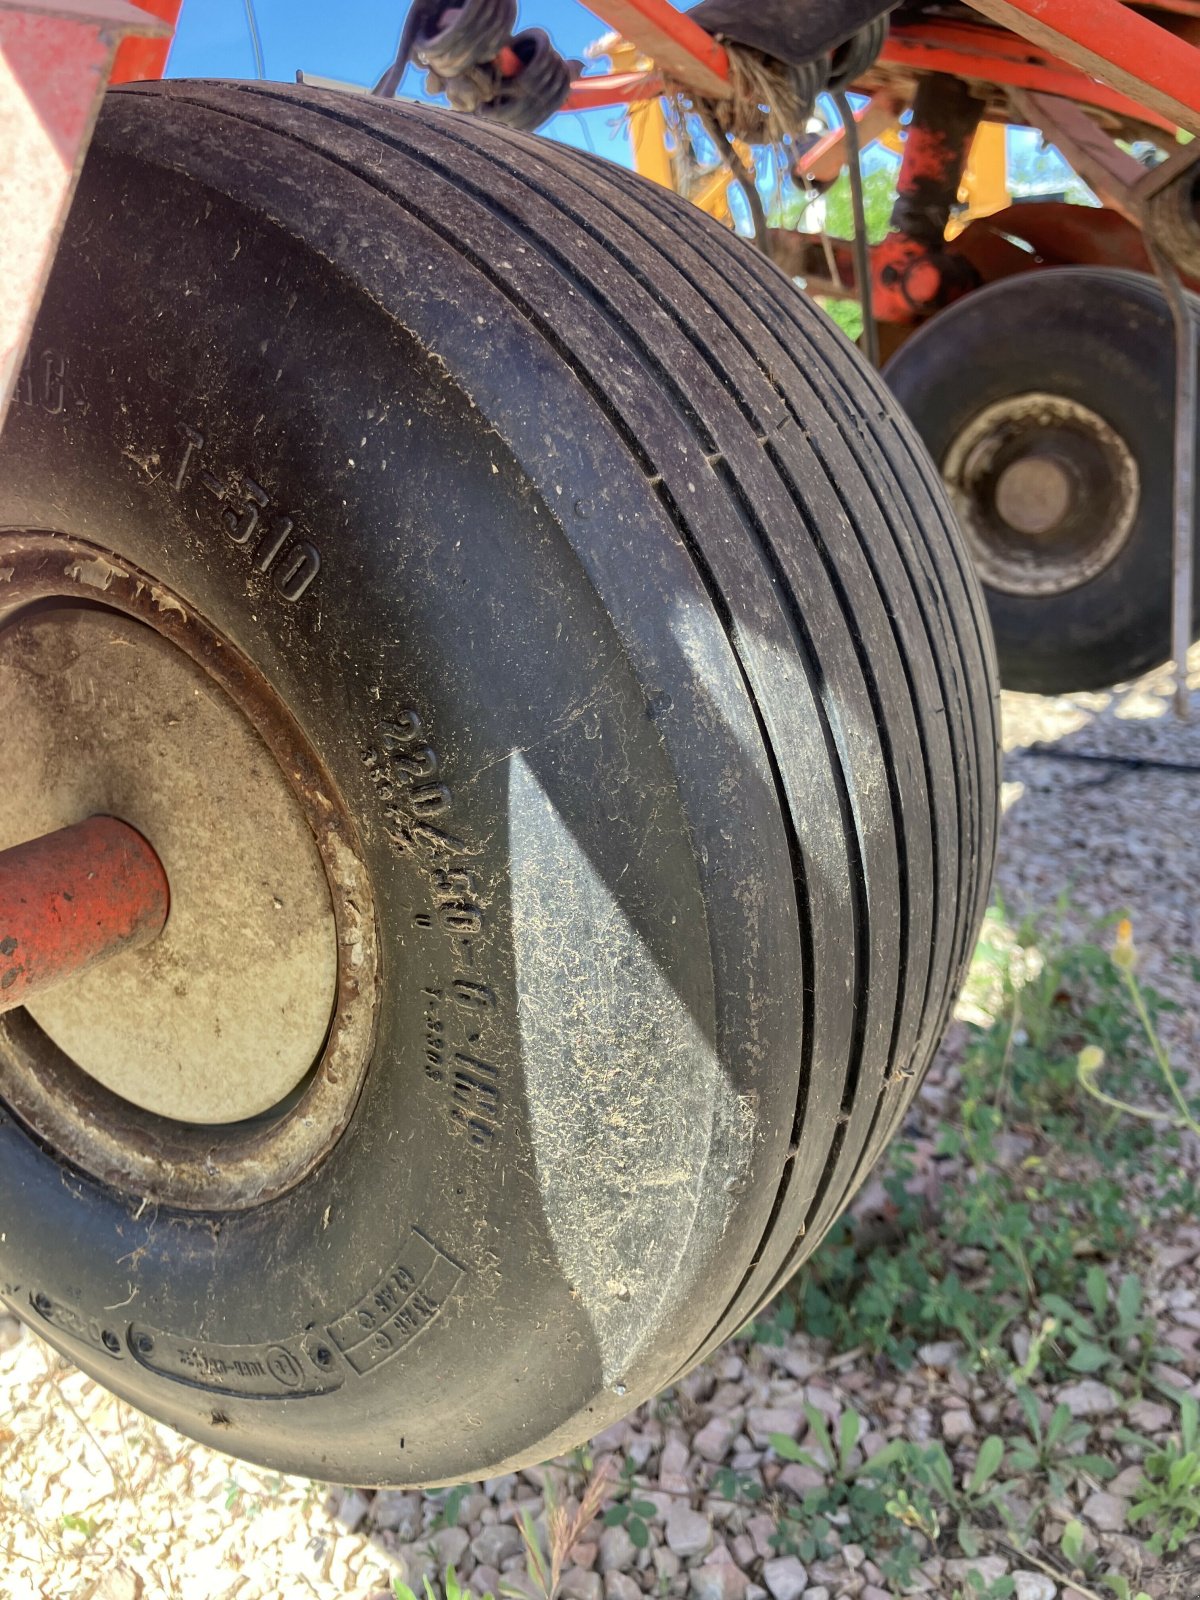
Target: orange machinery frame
1099, 52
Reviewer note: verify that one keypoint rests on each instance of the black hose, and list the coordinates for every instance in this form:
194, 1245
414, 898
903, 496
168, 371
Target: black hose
862, 244
474, 35
745, 178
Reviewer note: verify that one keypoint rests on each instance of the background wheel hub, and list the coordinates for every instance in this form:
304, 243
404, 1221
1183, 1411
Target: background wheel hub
1046, 491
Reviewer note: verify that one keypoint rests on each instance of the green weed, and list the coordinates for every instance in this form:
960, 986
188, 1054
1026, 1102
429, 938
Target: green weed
628, 1511
731, 1485
453, 1590
1049, 1451
1112, 1335
1044, 1181
1168, 1499
449, 1505
979, 1588
852, 1500
87, 1527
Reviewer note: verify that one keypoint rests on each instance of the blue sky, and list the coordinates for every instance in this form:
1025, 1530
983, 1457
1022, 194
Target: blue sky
354, 40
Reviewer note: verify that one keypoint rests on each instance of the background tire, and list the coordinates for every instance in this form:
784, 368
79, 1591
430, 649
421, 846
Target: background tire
671, 589
1078, 363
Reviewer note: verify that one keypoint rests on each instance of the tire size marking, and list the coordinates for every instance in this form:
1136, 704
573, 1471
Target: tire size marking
247, 518
42, 382
473, 1084
405, 771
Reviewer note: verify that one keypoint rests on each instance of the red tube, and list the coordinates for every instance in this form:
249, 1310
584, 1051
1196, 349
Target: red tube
72, 899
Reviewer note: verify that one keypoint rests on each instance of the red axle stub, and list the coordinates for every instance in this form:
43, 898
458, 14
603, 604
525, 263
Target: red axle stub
72, 899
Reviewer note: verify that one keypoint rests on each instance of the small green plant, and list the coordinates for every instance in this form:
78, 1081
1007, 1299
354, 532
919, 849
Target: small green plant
87, 1527
773, 1326
1090, 1060
1168, 1498
927, 1470
449, 1505
730, 1485
1122, 1588
1113, 1334
912, 1487
629, 1512
453, 1590
1049, 1451
839, 1459
978, 1588
1073, 1550
853, 1499
1072, 1544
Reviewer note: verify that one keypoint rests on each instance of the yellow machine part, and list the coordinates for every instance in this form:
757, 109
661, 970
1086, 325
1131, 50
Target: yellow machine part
651, 144
985, 183
648, 137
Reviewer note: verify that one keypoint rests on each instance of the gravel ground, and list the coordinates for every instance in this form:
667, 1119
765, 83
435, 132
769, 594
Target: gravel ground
1102, 796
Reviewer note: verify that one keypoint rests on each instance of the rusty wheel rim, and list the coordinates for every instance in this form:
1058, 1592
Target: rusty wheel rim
191, 1165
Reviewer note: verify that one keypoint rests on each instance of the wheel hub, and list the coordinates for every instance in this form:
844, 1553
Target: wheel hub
1046, 491
1035, 493
213, 1066
224, 1014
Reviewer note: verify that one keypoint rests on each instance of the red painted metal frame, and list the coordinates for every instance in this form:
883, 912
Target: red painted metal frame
964, 50
140, 59
1151, 75
55, 57
1112, 41
990, 55
679, 46
73, 899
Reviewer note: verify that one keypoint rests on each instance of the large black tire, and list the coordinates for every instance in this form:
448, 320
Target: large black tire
1099, 340
675, 593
